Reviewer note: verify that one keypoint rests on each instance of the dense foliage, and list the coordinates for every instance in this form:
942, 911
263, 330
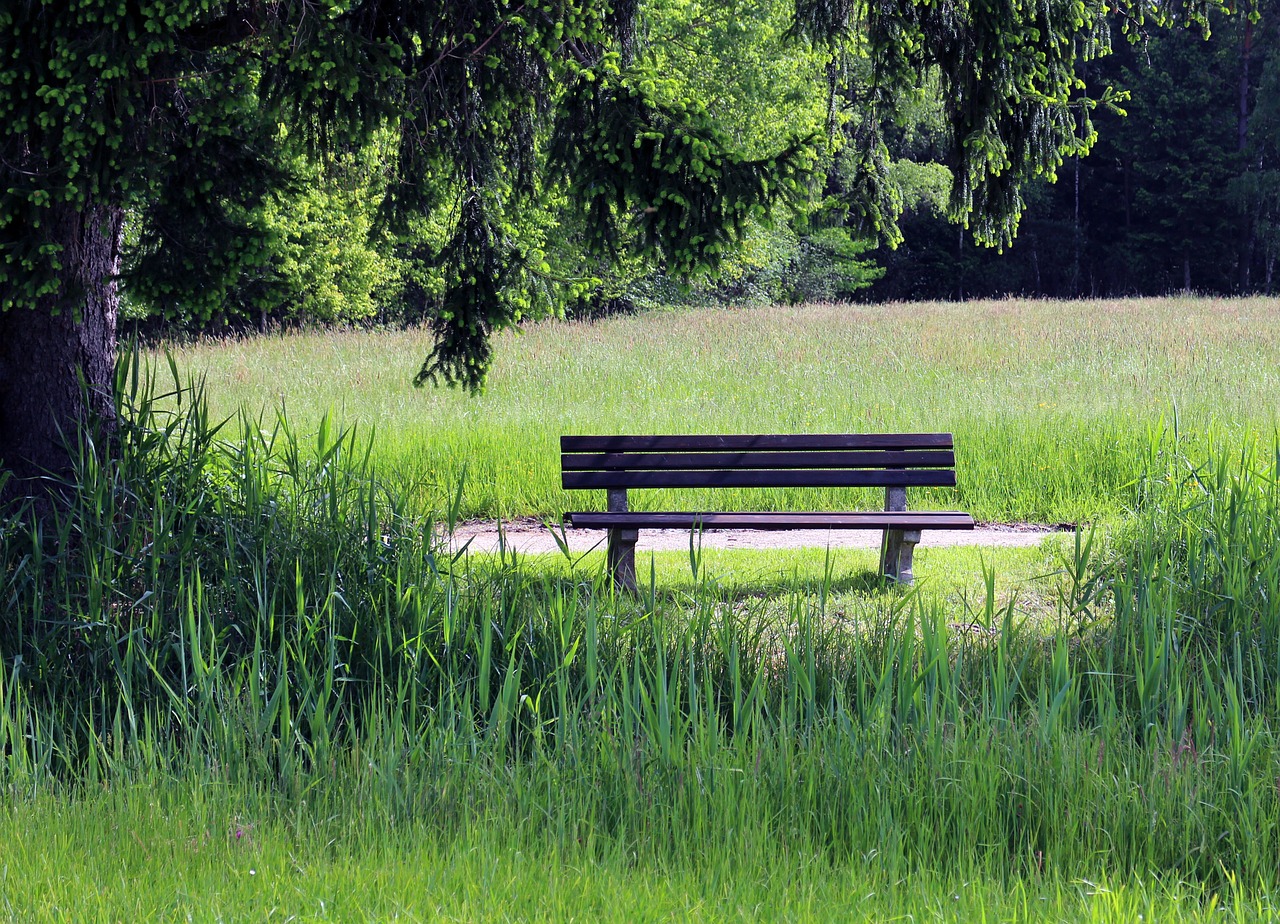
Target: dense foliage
174, 131
177, 113
1186, 170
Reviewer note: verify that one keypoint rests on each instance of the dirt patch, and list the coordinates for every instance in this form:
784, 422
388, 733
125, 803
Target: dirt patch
530, 536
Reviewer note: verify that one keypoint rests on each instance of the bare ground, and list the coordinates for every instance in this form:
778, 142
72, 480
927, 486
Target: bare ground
528, 535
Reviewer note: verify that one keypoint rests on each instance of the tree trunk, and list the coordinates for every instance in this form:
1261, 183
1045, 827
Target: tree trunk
45, 356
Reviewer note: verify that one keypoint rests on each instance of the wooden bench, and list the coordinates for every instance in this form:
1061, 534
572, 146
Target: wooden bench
891, 461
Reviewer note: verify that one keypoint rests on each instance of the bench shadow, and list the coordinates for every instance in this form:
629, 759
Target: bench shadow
580, 576
865, 582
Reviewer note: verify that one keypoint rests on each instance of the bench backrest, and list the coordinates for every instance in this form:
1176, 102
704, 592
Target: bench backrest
844, 460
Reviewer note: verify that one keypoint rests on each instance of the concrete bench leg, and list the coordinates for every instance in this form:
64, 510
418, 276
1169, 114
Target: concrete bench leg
621, 555
622, 558
898, 545
895, 558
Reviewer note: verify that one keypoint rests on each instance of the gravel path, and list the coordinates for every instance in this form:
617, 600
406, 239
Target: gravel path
529, 536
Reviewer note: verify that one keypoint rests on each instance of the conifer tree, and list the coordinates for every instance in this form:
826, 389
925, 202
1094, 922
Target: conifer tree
155, 112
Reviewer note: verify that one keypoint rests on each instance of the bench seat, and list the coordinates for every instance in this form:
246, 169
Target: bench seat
892, 461
876, 519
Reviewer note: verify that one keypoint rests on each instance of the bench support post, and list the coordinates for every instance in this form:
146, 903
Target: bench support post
622, 545
898, 545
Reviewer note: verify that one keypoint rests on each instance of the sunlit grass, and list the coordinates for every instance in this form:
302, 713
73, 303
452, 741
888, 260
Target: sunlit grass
1052, 403
247, 655
244, 680
1032, 577
202, 853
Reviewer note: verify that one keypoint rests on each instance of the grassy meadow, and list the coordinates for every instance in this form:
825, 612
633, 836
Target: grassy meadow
1054, 405
243, 679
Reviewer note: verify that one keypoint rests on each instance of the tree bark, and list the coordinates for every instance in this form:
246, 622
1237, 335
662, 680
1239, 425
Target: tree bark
57, 360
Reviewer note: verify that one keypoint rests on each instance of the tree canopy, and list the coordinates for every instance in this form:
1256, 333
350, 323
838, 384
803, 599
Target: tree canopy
157, 127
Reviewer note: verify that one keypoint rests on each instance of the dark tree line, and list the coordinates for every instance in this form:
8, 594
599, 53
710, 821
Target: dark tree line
1181, 193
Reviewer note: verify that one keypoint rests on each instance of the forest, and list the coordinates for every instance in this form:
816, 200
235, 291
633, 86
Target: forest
1181, 192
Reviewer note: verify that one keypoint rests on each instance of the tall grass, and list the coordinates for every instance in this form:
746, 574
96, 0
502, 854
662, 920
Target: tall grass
200, 852
258, 615
1050, 402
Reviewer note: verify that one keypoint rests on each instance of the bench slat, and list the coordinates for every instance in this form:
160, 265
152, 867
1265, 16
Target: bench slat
615, 461
928, 519
758, 442
762, 478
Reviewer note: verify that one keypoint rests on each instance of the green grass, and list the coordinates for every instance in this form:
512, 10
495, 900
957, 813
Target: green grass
954, 576
260, 635
1053, 404
185, 850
